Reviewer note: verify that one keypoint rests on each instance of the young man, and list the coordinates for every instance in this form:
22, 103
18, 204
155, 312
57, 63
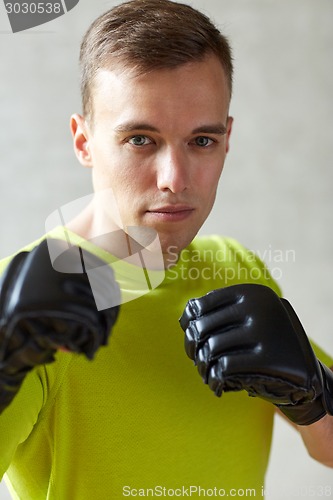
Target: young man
155, 129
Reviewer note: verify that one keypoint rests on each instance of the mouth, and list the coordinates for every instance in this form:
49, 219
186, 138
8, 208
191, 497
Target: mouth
171, 213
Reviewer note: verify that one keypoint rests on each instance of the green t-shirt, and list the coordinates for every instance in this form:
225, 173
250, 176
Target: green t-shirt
138, 421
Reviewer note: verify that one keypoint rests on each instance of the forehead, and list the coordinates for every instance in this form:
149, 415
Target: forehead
193, 88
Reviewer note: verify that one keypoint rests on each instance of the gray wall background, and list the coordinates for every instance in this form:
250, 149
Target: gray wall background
276, 191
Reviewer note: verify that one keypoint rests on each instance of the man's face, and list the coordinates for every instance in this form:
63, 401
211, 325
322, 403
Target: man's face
159, 141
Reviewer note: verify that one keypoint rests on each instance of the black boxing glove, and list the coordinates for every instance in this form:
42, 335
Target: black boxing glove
42, 309
246, 337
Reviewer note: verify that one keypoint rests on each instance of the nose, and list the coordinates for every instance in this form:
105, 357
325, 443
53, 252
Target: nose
172, 170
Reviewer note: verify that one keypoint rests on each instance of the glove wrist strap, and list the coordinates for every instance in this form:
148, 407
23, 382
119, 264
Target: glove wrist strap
309, 413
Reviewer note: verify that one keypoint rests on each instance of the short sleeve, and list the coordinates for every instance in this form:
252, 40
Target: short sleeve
19, 418
322, 355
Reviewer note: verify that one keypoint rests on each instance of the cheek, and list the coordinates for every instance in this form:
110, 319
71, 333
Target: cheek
108, 169
134, 180
210, 178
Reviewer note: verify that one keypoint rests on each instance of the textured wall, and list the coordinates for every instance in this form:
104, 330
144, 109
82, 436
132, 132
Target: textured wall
276, 190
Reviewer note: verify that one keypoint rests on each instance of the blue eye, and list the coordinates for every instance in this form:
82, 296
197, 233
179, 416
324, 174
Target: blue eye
139, 140
203, 141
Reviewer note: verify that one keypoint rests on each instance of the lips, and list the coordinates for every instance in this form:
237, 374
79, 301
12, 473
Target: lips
171, 212
171, 209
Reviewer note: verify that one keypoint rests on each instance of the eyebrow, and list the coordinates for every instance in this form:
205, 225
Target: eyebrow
130, 126
216, 128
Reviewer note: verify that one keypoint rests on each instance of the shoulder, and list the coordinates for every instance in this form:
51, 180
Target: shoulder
59, 232
27, 248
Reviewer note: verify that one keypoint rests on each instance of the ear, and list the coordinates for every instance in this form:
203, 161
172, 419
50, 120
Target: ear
229, 129
81, 136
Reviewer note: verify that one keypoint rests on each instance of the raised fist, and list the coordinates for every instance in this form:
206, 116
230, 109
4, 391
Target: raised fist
246, 337
42, 309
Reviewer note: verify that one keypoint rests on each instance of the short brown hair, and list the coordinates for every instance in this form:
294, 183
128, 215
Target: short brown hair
147, 35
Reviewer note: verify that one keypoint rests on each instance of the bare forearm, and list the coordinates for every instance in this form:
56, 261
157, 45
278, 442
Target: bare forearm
318, 439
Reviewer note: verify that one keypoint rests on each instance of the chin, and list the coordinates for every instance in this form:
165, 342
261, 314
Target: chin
172, 244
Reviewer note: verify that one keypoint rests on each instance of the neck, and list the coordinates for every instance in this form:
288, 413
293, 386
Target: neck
123, 243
